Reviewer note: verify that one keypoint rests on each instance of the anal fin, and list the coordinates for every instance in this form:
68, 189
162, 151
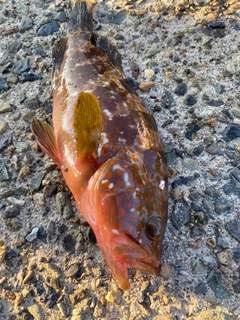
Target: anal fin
46, 139
87, 125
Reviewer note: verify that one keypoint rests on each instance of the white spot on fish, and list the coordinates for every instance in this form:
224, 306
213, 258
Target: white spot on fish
115, 231
162, 185
110, 186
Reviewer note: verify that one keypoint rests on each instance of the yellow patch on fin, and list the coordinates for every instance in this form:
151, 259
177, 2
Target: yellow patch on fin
87, 125
46, 139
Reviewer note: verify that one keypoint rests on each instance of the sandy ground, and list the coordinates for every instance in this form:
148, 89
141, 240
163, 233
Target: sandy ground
190, 50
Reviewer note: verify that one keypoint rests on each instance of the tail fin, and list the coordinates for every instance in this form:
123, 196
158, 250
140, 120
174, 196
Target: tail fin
81, 16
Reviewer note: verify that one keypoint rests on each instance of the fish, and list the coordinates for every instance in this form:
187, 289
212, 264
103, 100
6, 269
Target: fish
106, 143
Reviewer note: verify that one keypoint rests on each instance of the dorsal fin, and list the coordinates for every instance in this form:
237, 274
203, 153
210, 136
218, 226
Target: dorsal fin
87, 125
57, 56
108, 48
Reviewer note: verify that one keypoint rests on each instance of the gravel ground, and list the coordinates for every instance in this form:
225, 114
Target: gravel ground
184, 56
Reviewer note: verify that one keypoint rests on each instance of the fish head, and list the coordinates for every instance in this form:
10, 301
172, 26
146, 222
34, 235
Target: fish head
130, 208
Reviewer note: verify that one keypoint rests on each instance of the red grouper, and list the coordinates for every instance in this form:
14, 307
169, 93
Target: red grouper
107, 146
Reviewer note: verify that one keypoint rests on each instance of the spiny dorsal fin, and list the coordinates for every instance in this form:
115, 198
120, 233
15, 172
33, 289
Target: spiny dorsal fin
87, 125
109, 49
46, 139
57, 56
81, 16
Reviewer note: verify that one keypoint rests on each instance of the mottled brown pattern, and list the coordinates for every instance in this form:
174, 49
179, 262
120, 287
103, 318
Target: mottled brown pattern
124, 190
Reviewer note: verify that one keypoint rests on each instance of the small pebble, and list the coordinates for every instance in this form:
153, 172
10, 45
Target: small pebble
33, 235
190, 164
225, 257
146, 86
165, 271
35, 311
114, 296
5, 107
149, 73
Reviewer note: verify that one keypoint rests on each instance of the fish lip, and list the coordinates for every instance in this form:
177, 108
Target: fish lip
130, 252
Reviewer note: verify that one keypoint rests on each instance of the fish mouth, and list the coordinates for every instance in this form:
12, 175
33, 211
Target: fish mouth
130, 252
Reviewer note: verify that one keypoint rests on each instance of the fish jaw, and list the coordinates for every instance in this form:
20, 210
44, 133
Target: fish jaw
120, 251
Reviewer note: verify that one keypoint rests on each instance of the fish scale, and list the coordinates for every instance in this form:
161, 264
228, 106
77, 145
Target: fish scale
107, 145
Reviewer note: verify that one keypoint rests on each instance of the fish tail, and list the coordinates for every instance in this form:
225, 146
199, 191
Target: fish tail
81, 16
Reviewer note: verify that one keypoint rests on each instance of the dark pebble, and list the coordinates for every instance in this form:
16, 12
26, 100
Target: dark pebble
48, 108
171, 157
3, 85
223, 206
36, 182
215, 283
114, 18
64, 205
50, 297
190, 100
176, 58
191, 130
236, 174
215, 103
180, 215
11, 212
60, 16
231, 132
5, 140
233, 227
69, 243
30, 76
196, 207
133, 83
48, 29
74, 270
232, 155
201, 288
51, 229
219, 33
20, 191
22, 66
217, 24
180, 268
181, 89
49, 190
220, 88
183, 181
15, 46
25, 24
231, 188
227, 113
167, 100
236, 255
42, 234
32, 103
236, 287
197, 231
172, 41
222, 243
198, 150
179, 153
213, 149
91, 236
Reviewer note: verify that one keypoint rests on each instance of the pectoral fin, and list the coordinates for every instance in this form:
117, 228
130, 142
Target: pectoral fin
87, 125
46, 139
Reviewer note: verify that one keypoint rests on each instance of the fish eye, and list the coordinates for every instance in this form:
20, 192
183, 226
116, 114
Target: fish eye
154, 228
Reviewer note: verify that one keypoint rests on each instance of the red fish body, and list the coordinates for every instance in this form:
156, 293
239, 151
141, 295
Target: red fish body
107, 146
